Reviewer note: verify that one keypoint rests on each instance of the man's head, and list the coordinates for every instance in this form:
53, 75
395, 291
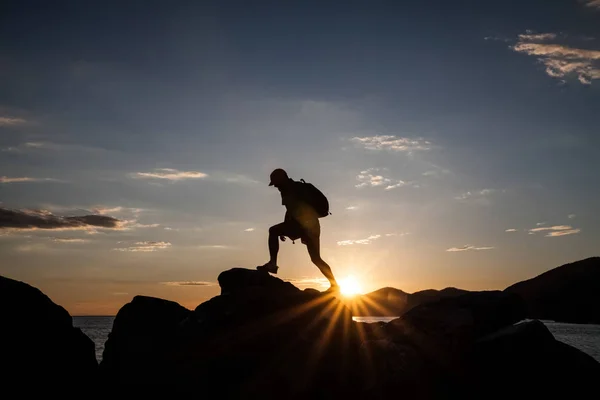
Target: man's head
278, 177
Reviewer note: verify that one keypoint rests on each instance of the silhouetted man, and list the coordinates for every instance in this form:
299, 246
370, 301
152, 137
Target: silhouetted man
301, 222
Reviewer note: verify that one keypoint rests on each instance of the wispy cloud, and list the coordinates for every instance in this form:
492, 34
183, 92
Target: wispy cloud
22, 220
537, 37
170, 174
510, 230
563, 232
437, 173
556, 230
592, 3
69, 240
359, 241
11, 121
372, 178
391, 143
540, 224
54, 147
561, 60
309, 282
249, 230
20, 179
571, 216
213, 246
468, 247
478, 196
351, 208
189, 283
107, 210
551, 228
146, 246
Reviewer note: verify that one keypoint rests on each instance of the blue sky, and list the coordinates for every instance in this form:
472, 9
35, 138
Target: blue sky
457, 141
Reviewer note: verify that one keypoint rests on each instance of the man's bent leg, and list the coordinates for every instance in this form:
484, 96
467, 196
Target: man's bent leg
274, 232
313, 246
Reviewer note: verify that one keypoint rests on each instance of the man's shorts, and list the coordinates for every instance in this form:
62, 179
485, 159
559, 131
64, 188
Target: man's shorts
305, 230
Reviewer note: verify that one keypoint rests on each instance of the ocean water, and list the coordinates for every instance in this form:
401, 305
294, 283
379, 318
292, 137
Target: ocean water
584, 337
96, 328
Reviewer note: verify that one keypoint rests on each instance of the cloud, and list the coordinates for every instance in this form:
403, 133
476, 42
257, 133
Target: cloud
557, 230
437, 173
147, 246
571, 216
561, 60
369, 178
540, 224
480, 196
359, 241
49, 146
309, 282
592, 3
563, 232
213, 246
6, 179
189, 283
510, 230
537, 37
467, 248
22, 220
107, 210
11, 121
351, 208
69, 240
132, 224
248, 230
550, 228
391, 143
171, 174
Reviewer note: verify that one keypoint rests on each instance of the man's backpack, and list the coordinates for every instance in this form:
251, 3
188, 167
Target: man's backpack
314, 197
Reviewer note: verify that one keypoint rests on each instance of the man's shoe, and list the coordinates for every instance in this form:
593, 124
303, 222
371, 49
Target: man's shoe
268, 267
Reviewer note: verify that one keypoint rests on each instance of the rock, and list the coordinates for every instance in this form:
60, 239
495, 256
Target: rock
526, 359
445, 330
264, 338
38, 343
261, 337
569, 293
141, 337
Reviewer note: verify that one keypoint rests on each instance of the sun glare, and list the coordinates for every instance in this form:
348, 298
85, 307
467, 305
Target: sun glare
349, 286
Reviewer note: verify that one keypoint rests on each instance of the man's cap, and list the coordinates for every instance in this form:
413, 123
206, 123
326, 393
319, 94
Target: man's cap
278, 175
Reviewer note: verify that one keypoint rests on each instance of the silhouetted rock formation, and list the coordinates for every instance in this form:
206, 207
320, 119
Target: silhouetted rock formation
39, 345
525, 360
264, 338
569, 293
394, 302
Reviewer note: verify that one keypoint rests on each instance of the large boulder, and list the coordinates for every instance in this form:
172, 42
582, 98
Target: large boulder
445, 330
261, 337
526, 359
143, 332
38, 343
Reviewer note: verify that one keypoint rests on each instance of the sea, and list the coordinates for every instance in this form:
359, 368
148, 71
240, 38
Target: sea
582, 336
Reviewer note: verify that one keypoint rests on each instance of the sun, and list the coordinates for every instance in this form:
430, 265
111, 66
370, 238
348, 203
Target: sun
349, 286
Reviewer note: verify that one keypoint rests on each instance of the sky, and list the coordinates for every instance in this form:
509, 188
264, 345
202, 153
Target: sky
456, 142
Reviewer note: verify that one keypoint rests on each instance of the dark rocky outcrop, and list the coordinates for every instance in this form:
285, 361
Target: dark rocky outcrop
569, 293
394, 302
526, 359
265, 338
38, 343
